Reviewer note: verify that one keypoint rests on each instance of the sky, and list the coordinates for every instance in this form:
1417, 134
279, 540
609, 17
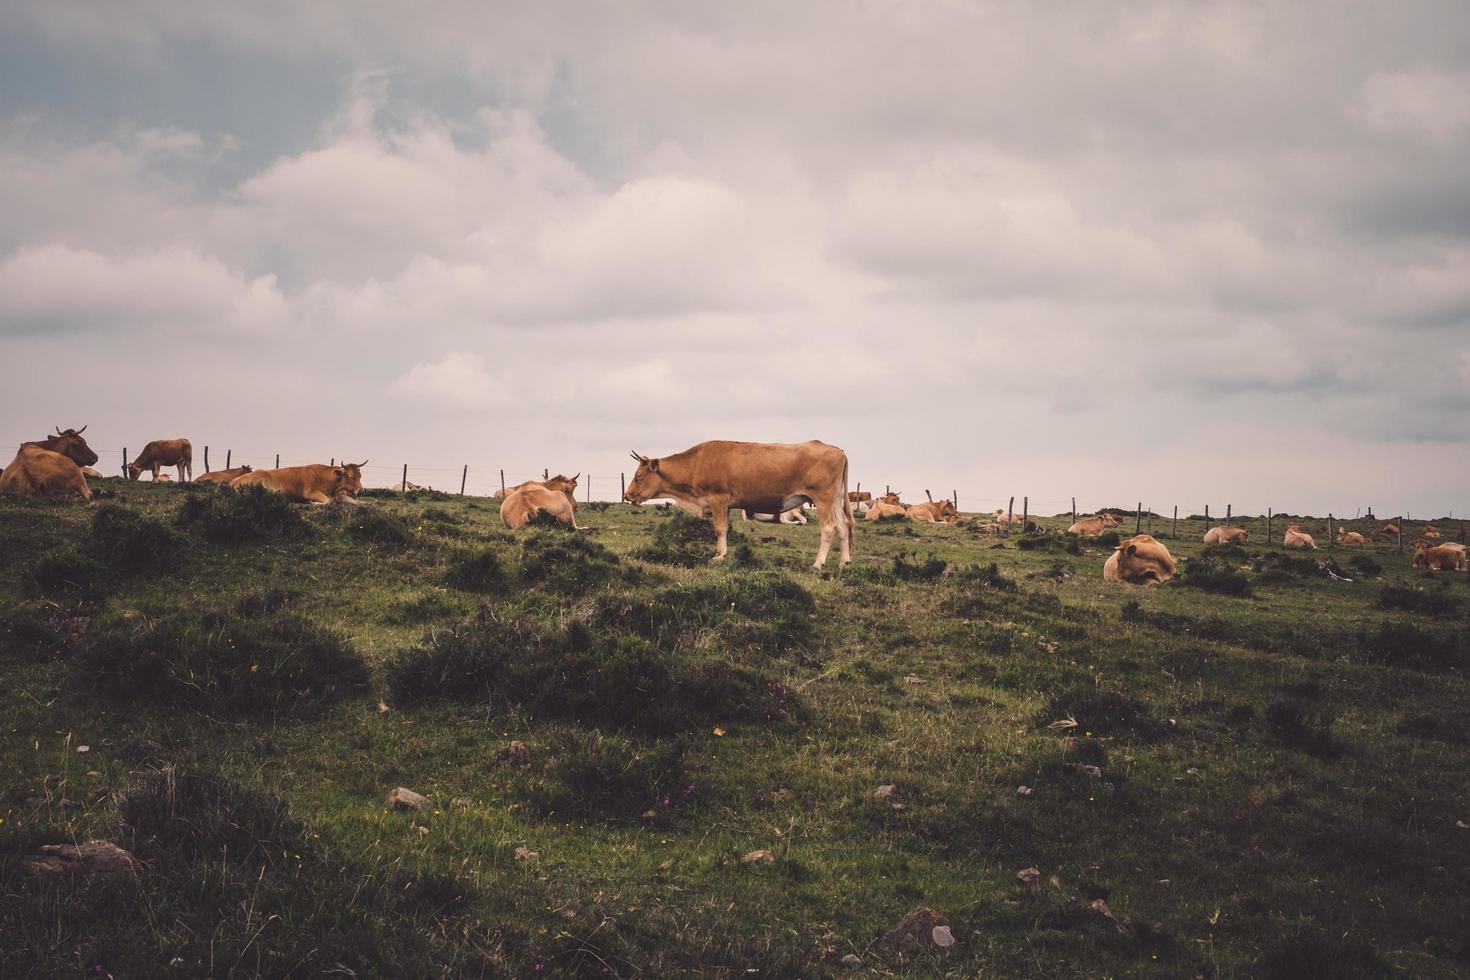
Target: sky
1170, 253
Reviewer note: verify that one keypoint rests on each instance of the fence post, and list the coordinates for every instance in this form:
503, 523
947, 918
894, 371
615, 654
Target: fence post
1329, 530
403, 487
1175, 532
589, 488
125, 462
1010, 510
1074, 510
1268, 525
206, 459
954, 498
278, 460
1401, 535
1025, 512
1138, 524
228, 454
545, 474
1227, 515
931, 496
622, 487
463, 477
1207, 518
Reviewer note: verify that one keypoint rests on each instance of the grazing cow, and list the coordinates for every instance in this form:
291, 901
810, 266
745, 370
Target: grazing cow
712, 477
222, 476
1439, 558
164, 452
1344, 536
315, 483
50, 467
1297, 538
556, 496
1091, 527
1430, 531
1224, 534
1002, 518
1139, 561
934, 512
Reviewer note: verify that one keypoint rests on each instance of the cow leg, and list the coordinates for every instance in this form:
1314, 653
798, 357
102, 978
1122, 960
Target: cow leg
843, 520
827, 517
720, 517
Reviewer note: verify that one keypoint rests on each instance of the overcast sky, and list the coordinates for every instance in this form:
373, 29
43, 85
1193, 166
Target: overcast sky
1177, 252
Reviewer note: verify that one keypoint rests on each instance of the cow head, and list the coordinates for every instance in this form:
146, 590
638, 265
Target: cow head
70, 443
1112, 520
347, 479
944, 509
562, 484
647, 483
890, 498
1144, 561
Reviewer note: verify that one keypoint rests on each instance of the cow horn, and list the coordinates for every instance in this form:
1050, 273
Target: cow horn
83, 429
638, 458
58, 430
574, 479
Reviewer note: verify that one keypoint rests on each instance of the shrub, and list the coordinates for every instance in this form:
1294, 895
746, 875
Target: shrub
926, 571
475, 571
421, 609
1417, 601
374, 526
249, 514
132, 543
1303, 726
192, 815
989, 576
766, 610
610, 777
1208, 576
568, 564
1400, 644
220, 663
1224, 552
66, 571
1107, 539
32, 628
1366, 565
685, 540
1101, 712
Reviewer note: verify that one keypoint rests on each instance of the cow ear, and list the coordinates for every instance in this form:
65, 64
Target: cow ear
653, 465
338, 473
1130, 549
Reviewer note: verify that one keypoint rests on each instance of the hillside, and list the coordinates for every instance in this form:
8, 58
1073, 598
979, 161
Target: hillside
1266, 774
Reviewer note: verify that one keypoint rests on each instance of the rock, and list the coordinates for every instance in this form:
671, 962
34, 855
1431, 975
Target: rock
1023, 790
526, 856
1100, 909
1030, 877
516, 754
914, 679
95, 857
759, 857
943, 937
923, 924
406, 799
852, 960
884, 792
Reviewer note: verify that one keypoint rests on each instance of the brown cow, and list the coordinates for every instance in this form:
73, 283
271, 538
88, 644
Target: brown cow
68, 443
41, 473
315, 483
1344, 536
934, 512
713, 477
885, 508
792, 516
1430, 531
1002, 518
223, 476
1295, 537
1224, 534
1139, 561
1442, 558
1091, 527
556, 496
1387, 531
92, 474
164, 452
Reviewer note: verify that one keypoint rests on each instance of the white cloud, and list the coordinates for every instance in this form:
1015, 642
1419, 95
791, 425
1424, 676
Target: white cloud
1432, 104
455, 381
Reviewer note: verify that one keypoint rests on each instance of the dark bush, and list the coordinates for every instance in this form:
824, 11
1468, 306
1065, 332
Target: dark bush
1320, 954
373, 526
1366, 565
249, 514
1400, 644
1414, 600
604, 777
1107, 539
988, 576
926, 571
191, 815
1224, 552
568, 564
38, 629
475, 571
764, 610
1047, 542
1287, 565
1210, 576
1300, 725
264, 601
685, 540
68, 572
131, 543
421, 609
1101, 712
220, 663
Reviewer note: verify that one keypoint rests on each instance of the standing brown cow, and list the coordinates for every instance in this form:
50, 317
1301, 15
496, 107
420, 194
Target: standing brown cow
164, 452
712, 477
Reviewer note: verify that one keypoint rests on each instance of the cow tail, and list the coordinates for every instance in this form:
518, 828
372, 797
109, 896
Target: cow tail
846, 500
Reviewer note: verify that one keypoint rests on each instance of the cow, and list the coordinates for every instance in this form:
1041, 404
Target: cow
792, 516
934, 512
164, 452
314, 483
222, 476
712, 477
1091, 527
885, 508
1430, 531
556, 496
1387, 531
861, 500
1139, 561
1224, 534
68, 443
50, 467
1295, 537
1442, 558
1344, 536
92, 474
1002, 518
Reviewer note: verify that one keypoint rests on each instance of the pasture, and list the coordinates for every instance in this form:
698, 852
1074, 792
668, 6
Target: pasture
1255, 770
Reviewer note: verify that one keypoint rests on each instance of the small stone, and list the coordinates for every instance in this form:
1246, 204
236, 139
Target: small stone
759, 857
526, 856
382, 708
1030, 877
1092, 771
920, 925
516, 754
1023, 791
84, 748
95, 857
943, 937
914, 679
93, 773
423, 831
406, 799
884, 792
852, 960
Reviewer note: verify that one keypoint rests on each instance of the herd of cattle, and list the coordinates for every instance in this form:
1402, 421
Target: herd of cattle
765, 481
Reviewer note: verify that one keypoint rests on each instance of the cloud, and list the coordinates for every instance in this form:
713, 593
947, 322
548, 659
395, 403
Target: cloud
455, 381
1434, 105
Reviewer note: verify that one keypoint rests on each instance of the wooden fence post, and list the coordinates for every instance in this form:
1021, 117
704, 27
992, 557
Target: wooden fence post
1074, 510
589, 488
545, 474
125, 462
622, 488
1175, 532
1268, 525
1329, 530
463, 477
206, 459
502, 483
1010, 511
228, 453
403, 487
954, 498
1228, 509
1025, 512
1138, 525
278, 460
1402, 522
1207, 518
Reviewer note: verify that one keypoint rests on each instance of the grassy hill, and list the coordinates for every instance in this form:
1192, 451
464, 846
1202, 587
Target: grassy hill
1256, 770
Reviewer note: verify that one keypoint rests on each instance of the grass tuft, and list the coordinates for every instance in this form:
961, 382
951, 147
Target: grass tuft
250, 514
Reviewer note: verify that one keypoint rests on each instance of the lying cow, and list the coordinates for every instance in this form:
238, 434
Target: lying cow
314, 483
712, 477
50, 467
1091, 527
1430, 531
223, 476
934, 512
1387, 531
1344, 536
1295, 537
887, 505
1224, 534
92, 474
1439, 558
164, 452
1139, 561
792, 516
556, 496
1001, 517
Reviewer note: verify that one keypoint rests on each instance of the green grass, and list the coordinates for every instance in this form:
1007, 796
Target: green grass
1259, 770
